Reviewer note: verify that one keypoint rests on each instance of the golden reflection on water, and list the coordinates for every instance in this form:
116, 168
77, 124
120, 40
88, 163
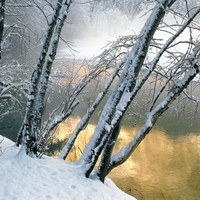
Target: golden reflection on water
161, 168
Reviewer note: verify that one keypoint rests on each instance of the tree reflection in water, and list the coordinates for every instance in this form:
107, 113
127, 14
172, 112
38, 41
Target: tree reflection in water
162, 167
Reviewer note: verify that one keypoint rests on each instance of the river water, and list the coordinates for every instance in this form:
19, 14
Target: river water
162, 168
165, 166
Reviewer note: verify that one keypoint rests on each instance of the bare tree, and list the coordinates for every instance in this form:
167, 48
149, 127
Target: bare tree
33, 132
39, 81
2, 17
137, 69
132, 61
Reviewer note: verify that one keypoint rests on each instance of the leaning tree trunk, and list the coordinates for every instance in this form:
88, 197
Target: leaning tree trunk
39, 105
2, 17
24, 135
102, 170
125, 84
146, 129
154, 114
83, 122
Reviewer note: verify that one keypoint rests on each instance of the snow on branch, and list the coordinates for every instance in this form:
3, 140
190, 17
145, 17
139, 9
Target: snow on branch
25, 131
154, 114
192, 97
1, 151
64, 152
134, 62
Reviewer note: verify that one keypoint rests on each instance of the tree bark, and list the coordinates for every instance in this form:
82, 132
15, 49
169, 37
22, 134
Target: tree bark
43, 84
125, 85
24, 134
2, 17
65, 151
152, 117
102, 170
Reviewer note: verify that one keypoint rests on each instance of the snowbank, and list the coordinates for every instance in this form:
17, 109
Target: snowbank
23, 177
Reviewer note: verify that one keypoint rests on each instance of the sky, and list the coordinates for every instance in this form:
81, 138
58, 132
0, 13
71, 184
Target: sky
23, 177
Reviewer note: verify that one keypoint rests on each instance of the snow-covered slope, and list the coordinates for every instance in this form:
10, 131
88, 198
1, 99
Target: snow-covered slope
26, 178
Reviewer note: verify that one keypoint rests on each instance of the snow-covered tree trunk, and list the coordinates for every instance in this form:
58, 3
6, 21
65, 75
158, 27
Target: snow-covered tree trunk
80, 126
25, 130
39, 106
102, 170
146, 129
2, 17
38, 84
154, 114
126, 84
180, 85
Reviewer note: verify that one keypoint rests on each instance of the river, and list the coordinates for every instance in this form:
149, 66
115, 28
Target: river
165, 166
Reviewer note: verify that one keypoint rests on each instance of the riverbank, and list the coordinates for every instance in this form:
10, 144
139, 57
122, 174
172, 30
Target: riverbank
23, 177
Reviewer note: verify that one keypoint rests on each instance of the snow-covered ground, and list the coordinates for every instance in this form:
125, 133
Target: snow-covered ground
26, 178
